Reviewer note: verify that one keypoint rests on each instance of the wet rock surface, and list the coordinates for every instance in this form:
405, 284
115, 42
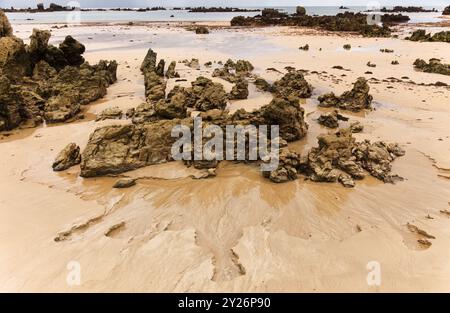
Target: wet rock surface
67, 158
42, 82
355, 100
433, 66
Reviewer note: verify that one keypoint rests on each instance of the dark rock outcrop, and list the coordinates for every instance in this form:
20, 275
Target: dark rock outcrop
171, 72
347, 22
262, 84
355, 100
288, 115
239, 90
433, 66
292, 84
422, 35
72, 50
5, 27
116, 149
68, 157
42, 82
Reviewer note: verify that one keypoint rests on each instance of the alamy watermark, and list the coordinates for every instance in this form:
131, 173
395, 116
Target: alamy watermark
373, 18
238, 142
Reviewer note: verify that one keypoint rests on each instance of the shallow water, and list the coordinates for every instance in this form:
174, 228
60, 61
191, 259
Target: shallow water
182, 15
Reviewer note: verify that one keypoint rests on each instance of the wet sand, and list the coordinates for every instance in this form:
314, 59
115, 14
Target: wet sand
238, 231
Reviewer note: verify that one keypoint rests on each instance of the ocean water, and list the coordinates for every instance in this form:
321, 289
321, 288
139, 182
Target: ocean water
179, 15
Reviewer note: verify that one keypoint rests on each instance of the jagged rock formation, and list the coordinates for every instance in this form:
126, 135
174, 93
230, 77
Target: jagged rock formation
355, 100
339, 158
239, 90
171, 72
234, 71
42, 82
68, 157
119, 148
434, 66
293, 84
155, 85
348, 21
421, 35
5, 27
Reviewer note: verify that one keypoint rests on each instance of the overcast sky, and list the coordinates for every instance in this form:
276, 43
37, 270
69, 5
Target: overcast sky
234, 3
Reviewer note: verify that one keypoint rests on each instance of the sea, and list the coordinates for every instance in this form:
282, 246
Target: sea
185, 16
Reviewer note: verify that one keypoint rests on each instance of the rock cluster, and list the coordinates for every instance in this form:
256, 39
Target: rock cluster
340, 158
43, 82
421, 35
433, 66
115, 149
355, 100
234, 71
148, 140
348, 22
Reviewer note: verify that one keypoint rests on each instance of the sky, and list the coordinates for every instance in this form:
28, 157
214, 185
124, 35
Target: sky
233, 3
